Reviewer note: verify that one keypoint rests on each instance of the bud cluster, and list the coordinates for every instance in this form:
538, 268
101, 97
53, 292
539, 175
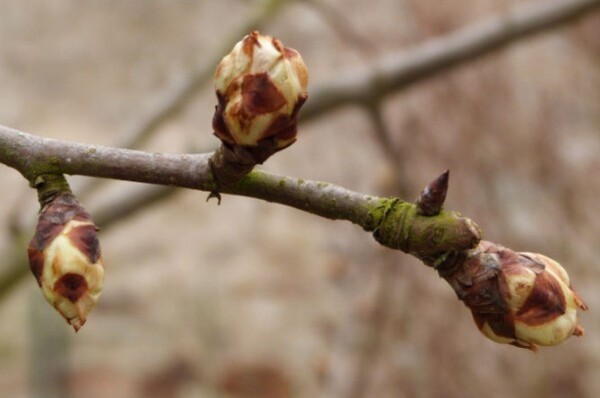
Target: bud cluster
65, 258
523, 299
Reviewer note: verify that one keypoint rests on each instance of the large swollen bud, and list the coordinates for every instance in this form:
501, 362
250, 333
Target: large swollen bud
523, 299
65, 258
261, 86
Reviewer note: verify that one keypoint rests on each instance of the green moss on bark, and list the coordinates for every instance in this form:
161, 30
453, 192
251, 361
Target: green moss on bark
49, 186
400, 227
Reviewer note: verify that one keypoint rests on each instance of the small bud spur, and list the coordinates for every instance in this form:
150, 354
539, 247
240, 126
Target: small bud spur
65, 258
432, 198
523, 299
261, 86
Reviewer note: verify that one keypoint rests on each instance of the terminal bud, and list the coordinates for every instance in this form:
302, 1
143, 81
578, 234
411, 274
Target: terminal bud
523, 299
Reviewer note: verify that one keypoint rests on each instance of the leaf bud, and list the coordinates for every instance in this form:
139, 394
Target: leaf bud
260, 86
65, 258
523, 299
432, 198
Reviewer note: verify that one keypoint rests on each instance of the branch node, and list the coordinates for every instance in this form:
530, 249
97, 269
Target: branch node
231, 162
49, 186
433, 239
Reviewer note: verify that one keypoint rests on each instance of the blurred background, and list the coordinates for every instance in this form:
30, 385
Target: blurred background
250, 299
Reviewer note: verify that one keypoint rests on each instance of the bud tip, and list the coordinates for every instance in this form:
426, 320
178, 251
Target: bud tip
432, 198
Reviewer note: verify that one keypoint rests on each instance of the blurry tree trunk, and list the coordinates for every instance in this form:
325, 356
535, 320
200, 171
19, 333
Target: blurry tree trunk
49, 350
361, 336
358, 344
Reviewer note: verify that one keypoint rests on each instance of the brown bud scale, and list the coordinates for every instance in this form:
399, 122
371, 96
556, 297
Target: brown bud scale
85, 238
71, 286
259, 95
545, 302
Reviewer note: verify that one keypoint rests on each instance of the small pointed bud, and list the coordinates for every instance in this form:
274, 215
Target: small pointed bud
432, 198
65, 258
523, 299
261, 86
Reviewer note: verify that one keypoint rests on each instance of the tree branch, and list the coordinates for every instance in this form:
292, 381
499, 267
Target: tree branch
437, 55
33, 156
396, 224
